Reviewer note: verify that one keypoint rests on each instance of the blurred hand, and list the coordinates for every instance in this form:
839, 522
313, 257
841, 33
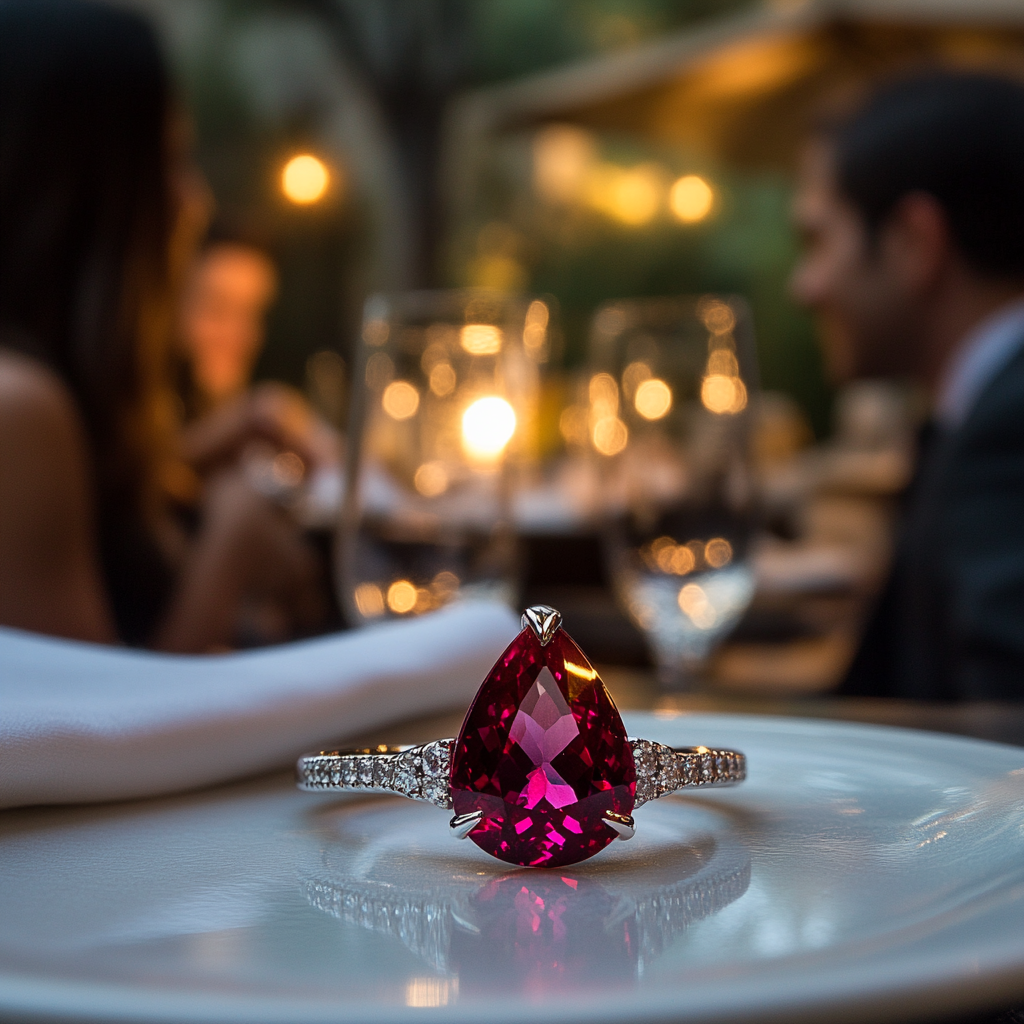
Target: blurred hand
248, 553
271, 413
272, 560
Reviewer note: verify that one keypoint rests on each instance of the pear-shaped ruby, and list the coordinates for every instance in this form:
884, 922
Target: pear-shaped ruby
543, 755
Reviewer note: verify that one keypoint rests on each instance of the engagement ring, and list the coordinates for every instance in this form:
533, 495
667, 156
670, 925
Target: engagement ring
542, 773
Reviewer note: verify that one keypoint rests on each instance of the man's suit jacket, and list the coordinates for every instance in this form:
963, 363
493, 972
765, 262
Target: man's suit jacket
950, 621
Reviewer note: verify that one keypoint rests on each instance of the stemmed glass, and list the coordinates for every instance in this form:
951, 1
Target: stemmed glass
444, 398
670, 391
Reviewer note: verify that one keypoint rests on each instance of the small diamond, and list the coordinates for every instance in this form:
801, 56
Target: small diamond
407, 772
707, 768
348, 771
364, 772
436, 759
383, 772
671, 773
437, 791
722, 766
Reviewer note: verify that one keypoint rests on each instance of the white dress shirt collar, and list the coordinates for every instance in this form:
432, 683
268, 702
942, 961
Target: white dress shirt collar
977, 362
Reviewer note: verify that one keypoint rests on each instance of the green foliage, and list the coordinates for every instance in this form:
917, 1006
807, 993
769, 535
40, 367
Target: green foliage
517, 37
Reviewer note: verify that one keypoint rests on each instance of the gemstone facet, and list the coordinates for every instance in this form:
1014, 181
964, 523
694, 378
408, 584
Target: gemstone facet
543, 754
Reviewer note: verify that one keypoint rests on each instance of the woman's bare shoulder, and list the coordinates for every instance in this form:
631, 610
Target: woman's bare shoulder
49, 576
43, 447
34, 401
30, 386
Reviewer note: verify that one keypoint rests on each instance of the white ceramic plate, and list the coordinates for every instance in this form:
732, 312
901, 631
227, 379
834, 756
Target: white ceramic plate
860, 873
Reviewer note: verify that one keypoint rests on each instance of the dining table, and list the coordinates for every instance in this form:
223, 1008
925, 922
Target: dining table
221, 899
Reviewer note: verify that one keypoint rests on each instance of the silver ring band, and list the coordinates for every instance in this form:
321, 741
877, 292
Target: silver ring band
422, 772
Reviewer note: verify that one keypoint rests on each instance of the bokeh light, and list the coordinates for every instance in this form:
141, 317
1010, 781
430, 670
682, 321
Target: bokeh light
442, 379
604, 395
691, 198
722, 394
400, 400
723, 361
481, 339
401, 597
369, 600
717, 316
304, 179
694, 603
718, 552
630, 195
487, 427
609, 435
562, 158
431, 479
653, 399
535, 330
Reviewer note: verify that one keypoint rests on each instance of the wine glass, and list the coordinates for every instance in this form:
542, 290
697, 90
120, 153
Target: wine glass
444, 399
670, 389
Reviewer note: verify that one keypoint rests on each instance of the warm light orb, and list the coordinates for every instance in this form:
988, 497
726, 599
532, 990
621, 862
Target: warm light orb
609, 435
304, 179
481, 339
723, 361
563, 156
717, 316
691, 199
604, 395
718, 552
400, 400
653, 399
535, 329
401, 597
631, 195
431, 479
722, 394
487, 427
369, 600
694, 603
442, 379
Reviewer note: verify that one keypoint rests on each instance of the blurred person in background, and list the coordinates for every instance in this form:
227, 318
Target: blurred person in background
912, 218
101, 208
229, 290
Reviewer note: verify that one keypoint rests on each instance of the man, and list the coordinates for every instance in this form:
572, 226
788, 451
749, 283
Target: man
912, 216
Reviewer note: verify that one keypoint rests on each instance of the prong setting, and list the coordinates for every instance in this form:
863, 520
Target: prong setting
462, 824
622, 824
543, 620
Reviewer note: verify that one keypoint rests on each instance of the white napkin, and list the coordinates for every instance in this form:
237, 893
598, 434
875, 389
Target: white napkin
82, 722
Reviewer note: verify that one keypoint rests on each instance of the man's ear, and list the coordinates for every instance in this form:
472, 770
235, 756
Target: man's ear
916, 242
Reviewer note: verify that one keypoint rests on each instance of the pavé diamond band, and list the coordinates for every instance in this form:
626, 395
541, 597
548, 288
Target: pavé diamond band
422, 772
542, 773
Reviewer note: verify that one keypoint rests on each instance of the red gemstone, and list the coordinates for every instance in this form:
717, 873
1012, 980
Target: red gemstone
543, 753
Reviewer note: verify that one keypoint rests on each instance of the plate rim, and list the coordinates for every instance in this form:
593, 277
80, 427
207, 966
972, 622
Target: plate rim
927, 985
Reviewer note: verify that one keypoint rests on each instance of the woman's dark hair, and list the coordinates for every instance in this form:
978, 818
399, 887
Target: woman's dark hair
958, 137
86, 219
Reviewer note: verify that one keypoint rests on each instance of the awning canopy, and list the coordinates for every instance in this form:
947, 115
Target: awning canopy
743, 90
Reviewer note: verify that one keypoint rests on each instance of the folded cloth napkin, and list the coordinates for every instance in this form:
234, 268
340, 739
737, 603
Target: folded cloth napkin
81, 722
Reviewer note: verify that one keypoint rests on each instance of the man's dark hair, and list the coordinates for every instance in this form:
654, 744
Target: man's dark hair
956, 137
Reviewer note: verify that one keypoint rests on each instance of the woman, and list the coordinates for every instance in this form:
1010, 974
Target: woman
100, 210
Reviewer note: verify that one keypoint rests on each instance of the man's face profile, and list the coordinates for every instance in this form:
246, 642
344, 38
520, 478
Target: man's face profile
846, 278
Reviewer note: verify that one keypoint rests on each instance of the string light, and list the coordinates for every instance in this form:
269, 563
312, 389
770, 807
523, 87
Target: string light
304, 179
